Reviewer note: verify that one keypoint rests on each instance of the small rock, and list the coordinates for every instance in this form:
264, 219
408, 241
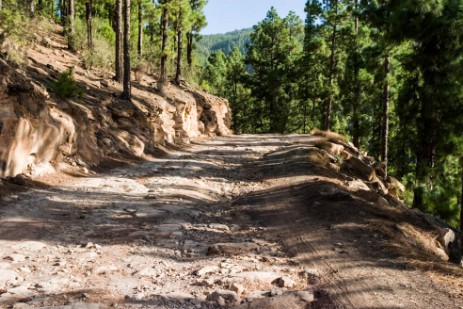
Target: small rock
205, 282
312, 272
284, 282
206, 270
237, 288
229, 297
276, 292
15, 258
219, 227
305, 296
147, 272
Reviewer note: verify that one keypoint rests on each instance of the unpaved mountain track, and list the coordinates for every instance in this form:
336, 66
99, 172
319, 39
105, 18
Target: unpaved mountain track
141, 236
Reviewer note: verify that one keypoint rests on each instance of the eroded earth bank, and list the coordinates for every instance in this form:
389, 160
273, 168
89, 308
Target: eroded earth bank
242, 221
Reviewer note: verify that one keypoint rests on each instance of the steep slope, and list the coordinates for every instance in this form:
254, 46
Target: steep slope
38, 129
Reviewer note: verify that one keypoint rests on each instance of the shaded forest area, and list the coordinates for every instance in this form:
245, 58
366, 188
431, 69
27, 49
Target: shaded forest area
385, 73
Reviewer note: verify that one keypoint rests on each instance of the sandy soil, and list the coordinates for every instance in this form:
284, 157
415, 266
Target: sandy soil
243, 221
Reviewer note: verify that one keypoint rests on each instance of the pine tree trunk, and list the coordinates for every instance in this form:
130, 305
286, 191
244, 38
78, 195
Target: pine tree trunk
356, 103
89, 8
189, 50
71, 25
140, 29
332, 69
126, 93
164, 29
461, 210
1, 5
118, 29
179, 50
32, 7
63, 14
385, 116
40, 5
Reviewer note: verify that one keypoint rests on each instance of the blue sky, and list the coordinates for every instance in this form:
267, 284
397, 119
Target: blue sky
228, 15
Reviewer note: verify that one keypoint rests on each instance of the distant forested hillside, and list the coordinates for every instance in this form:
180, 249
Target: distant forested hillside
224, 42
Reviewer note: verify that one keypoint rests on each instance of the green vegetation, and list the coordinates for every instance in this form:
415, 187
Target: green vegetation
385, 73
209, 44
388, 74
66, 87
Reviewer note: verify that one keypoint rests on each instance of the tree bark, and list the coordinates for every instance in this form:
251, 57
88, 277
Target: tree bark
126, 93
385, 118
32, 7
63, 14
118, 29
189, 50
140, 29
179, 49
461, 209
164, 34
71, 25
40, 5
89, 8
332, 69
356, 103
1, 5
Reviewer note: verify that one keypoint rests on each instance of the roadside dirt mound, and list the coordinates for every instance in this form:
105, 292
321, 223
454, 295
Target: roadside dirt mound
39, 131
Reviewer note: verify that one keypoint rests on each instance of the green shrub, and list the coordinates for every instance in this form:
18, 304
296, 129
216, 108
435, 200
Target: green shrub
66, 87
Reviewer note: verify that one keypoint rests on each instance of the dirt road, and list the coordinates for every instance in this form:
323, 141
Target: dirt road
243, 221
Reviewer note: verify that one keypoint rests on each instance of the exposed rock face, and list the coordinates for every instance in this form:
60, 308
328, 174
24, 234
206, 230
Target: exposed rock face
36, 131
31, 132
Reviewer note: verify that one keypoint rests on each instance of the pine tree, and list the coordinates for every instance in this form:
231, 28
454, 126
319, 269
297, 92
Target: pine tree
140, 29
198, 21
270, 55
119, 37
164, 34
71, 31
89, 9
126, 93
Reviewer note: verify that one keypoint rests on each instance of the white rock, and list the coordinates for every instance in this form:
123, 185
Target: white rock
8, 277
237, 288
285, 282
229, 297
104, 269
147, 272
206, 270
30, 246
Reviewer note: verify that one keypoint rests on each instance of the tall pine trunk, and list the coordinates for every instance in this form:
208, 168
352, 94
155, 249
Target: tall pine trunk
32, 7
189, 50
126, 93
40, 5
89, 8
461, 210
179, 49
71, 25
385, 116
1, 5
140, 29
356, 103
332, 69
63, 13
164, 34
118, 29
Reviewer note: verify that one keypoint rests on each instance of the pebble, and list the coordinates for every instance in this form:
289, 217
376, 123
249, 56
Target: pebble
285, 282
206, 270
